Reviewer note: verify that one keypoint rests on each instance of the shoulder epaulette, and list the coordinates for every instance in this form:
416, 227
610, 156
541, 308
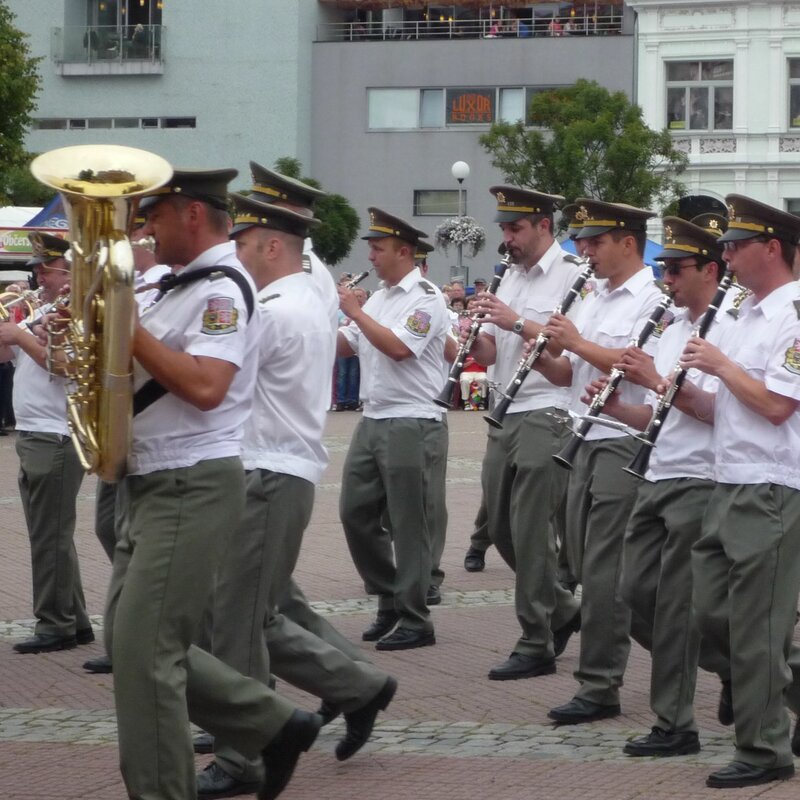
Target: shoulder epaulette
572, 258
428, 287
306, 263
797, 307
733, 312
269, 297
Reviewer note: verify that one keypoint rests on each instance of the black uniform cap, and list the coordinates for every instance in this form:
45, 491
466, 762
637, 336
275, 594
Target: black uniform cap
382, 225
513, 203
250, 212
748, 218
207, 185
46, 248
272, 187
599, 217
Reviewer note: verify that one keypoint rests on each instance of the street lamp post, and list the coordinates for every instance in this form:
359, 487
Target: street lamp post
460, 171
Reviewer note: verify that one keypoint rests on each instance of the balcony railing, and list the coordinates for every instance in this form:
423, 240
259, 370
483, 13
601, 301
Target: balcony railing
108, 49
540, 27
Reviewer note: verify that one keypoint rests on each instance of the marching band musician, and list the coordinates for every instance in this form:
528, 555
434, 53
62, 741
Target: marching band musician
600, 494
284, 458
398, 455
746, 565
50, 473
194, 371
523, 488
668, 510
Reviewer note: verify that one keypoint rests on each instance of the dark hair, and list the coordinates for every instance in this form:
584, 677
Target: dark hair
640, 237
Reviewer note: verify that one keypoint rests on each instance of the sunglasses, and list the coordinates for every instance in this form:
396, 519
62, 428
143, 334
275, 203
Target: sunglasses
675, 269
738, 244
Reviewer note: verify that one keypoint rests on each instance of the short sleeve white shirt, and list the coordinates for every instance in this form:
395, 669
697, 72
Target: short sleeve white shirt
533, 294
684, 448
765, 342
611, 318
205, 318
39, 399
416, 313
324, 283
296, 348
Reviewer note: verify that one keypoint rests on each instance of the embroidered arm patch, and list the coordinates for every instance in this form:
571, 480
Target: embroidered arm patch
419, 323
220, 316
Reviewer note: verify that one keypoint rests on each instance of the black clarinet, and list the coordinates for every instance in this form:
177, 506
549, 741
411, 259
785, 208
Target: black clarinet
640, 462
615, 377
495, 419
445, 398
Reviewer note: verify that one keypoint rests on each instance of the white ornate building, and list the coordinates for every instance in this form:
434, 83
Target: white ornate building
724, 76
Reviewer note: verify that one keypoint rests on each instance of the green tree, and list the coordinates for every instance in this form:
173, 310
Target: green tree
19, 85
588, 142
339, 223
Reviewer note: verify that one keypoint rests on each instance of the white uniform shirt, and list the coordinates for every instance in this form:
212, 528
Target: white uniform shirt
611, 319
532, 294
146, 297
39, 399
204, 318
684, 448
765, 342
296, 349
324, 282
416, 312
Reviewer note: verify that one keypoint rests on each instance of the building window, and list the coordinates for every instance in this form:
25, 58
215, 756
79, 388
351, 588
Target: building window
700, 95
512, 105
113, 122
393, 108
794, 92
178, 122
471, 106
436, 202
793, 205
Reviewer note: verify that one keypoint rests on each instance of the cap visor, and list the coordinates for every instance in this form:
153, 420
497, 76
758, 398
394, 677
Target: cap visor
589, 231
237, 229
510, 216
738, 234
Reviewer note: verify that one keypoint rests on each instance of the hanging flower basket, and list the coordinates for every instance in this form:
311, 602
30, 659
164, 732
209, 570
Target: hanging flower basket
463, 231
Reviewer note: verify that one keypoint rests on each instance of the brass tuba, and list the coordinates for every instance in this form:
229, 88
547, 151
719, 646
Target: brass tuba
100, 186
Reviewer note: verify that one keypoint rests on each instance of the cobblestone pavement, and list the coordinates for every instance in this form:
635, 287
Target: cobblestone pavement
450, 734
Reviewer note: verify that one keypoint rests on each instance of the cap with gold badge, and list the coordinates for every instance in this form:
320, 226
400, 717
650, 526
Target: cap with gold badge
382, 225
748, 218
514, 203
712, 223
46, 248
573, 226
272, 187
683, 239
207, 185
250, 212
423, 248
598, 217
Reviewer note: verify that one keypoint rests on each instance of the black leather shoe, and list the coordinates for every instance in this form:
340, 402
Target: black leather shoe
474, 560
328, 712
281, 755
203, 743
738, 774
796, 737
361, 721
99, 666
521, 666
664, 743
384, 622
213, 781
579, 710
434, 596
562, 634
405, 639
84, 635
725, 707
45, 643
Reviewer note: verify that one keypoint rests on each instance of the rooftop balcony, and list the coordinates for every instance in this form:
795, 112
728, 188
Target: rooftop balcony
108, 50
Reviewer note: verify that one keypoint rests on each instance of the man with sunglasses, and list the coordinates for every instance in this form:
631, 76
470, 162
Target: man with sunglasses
668, 511
50, 474
746, 565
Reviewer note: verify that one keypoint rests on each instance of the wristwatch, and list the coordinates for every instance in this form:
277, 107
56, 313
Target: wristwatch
518, 326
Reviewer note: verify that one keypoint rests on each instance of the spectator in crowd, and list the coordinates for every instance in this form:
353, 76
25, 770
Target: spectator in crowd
348, 374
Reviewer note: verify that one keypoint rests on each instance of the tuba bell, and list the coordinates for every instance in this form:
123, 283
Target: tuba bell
100, 186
